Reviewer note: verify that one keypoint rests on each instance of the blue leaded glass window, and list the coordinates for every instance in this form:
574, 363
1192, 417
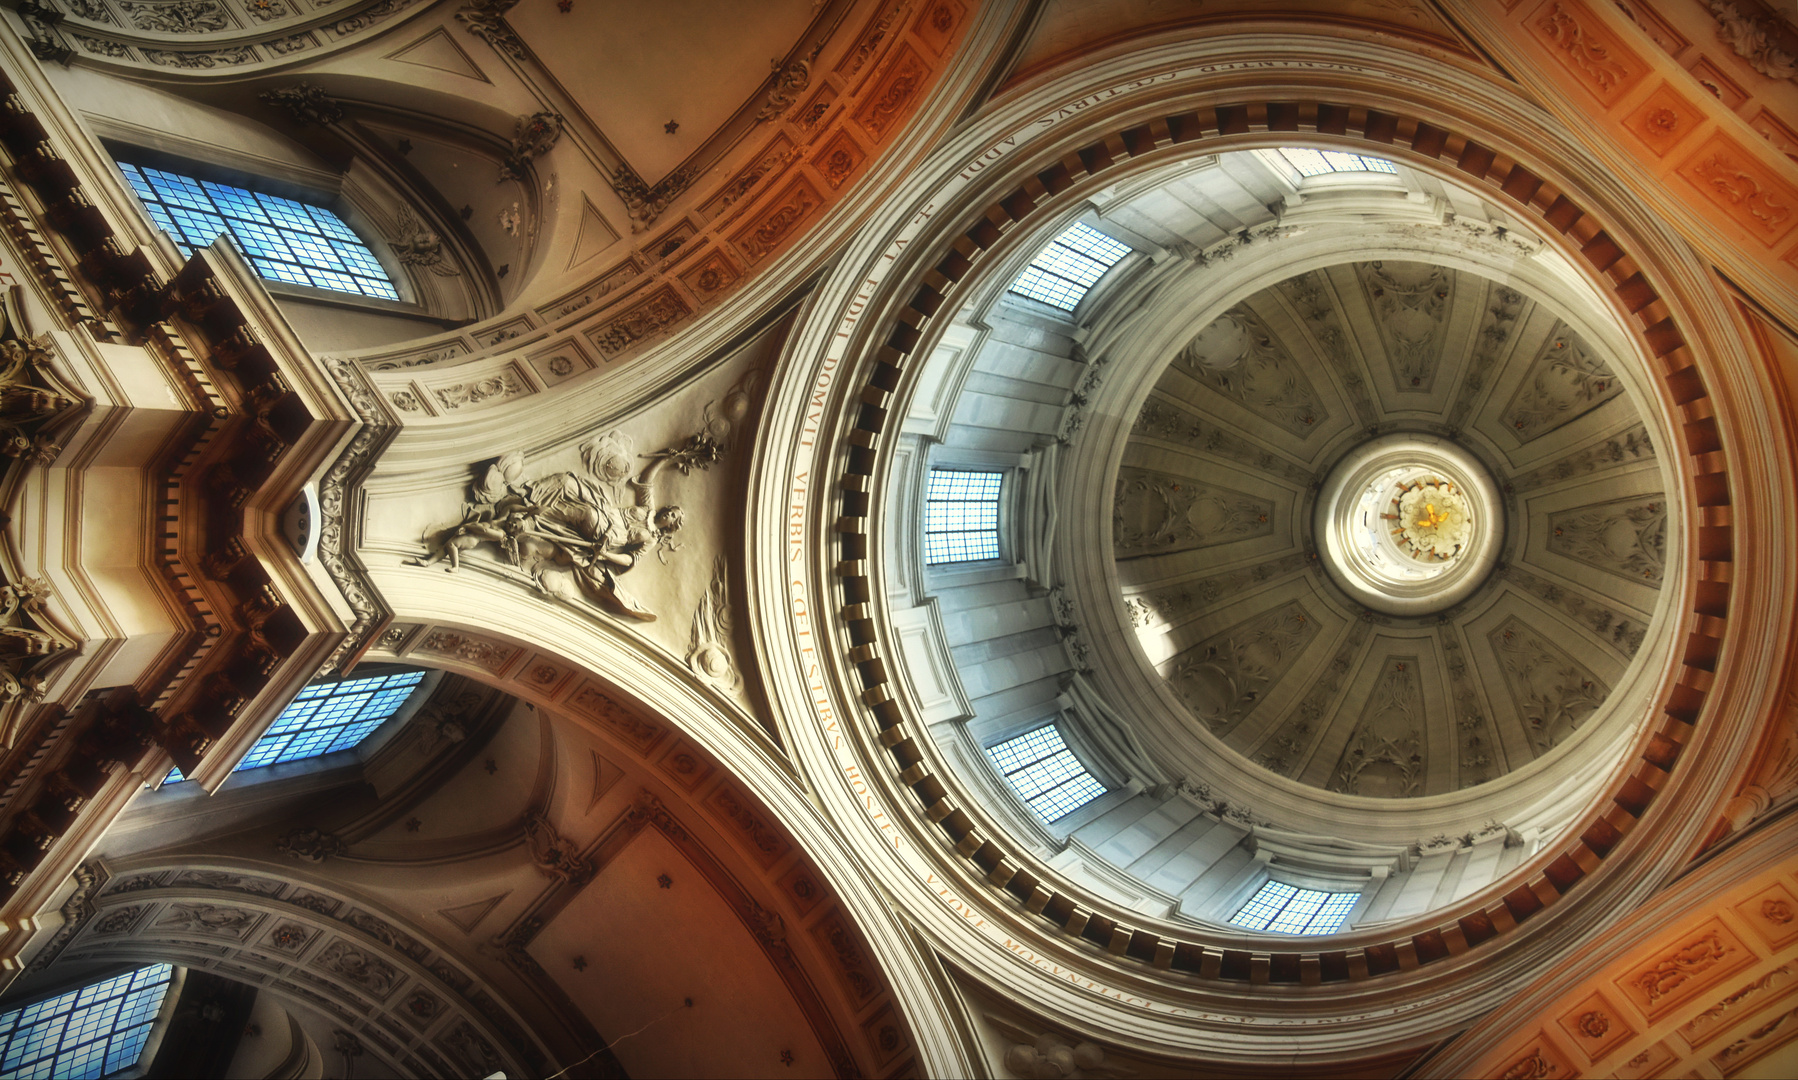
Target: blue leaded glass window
1319, 162
283, 239
961, 516
326, 717
1287, 909
1045, 773
96, 1031
1072, 263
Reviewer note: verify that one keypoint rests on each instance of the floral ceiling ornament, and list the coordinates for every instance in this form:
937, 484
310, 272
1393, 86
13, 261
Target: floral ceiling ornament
1754, 40
534, 137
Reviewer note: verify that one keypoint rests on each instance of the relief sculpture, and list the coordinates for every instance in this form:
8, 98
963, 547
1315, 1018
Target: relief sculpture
1177, 602
1672, 971
1410, 303
360, 967
1238, 357
1567, 380
1554, 693
1627, 537
207, 919
577, 532
1224, 678
1155, 514
1163, 420
1503, 307
1311, 296
1471, 727
1626, 448
1285, 750
1385, 755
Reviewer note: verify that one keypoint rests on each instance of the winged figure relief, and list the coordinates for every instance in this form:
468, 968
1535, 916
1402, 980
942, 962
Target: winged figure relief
418, 246
576, 532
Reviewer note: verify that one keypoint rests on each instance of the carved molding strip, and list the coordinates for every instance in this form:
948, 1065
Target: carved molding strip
208, 34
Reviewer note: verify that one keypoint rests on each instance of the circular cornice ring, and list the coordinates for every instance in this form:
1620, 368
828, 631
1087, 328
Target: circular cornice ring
1369, 548
889, 310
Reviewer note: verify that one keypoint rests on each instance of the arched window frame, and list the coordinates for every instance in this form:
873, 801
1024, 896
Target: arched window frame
1138, 255
158, 1022
310, 187
1085, 784
1279, 907
321, 767
956, 497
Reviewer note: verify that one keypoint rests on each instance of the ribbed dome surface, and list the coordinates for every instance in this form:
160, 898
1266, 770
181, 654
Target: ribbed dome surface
1217, 557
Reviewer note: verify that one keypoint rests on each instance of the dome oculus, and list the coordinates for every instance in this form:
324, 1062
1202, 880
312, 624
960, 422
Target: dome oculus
1409, 524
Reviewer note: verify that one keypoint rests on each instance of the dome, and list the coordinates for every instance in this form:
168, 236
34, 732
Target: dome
1342, 567
1390, 529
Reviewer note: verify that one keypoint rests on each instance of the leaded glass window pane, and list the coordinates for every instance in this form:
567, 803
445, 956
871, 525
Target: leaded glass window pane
327, 717
1045, 773
96, 1031
1319, 162
1072, 263
961, 516
283, 239
1287, 909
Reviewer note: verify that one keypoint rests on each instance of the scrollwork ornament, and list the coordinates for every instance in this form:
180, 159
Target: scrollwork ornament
534, 136
309, 845
645, 203
1754, 40
305, 103
486, 19
790, 80
180, 17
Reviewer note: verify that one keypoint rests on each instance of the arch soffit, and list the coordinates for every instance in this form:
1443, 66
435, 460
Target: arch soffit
716, 242
745, 794
289, 932
1389, 105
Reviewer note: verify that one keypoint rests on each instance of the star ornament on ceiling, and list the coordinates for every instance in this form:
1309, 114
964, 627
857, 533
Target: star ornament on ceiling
565, 6
671, 126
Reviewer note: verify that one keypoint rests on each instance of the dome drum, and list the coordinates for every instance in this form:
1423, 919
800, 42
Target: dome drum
945, 798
